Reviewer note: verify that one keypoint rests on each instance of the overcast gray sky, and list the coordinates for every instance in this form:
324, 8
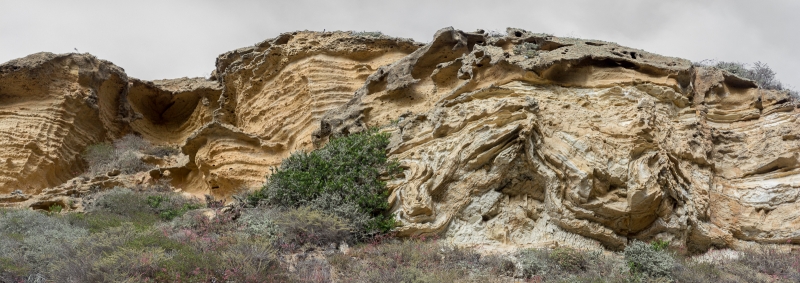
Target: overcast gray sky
168, 39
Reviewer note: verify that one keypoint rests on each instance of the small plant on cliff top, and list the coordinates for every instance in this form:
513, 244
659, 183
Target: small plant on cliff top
342, 179
527, 49
760, 73
368, 34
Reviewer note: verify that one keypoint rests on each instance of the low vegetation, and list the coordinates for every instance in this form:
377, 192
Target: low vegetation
297, 245
369, 34
123, 155
418, 260
286, 233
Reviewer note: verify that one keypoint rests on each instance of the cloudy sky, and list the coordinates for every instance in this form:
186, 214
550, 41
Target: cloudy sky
168, 39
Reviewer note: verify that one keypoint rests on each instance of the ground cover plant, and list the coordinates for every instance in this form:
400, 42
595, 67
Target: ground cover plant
247, 245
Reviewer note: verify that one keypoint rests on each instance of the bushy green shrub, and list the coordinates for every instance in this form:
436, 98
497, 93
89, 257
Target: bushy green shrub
659, 245
342, 179
645, 259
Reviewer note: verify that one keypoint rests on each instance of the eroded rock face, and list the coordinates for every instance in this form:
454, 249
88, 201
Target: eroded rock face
571, 142
584, 143
51, 107
274, 95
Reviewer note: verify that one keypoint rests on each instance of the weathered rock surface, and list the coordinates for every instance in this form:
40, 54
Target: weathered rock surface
573, 142
51, 108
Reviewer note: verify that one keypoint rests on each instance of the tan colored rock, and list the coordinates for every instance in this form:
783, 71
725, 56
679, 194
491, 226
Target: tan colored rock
579, 142
585, 143
51, 107
171, 110
275, 94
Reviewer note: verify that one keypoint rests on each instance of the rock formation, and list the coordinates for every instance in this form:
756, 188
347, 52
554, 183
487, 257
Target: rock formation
519, 139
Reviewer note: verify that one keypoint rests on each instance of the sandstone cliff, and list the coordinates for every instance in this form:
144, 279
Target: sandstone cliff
520, 139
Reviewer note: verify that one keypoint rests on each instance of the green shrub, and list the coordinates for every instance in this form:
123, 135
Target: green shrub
527, 49
644, 259
659, 245
55, 209
342, 179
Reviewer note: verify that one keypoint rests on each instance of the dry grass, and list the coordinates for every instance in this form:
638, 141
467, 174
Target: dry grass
123, 155
118, 245
418, 260
158, 236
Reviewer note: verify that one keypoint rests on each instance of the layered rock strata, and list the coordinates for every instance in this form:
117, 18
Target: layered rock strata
579, 142
521, 139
